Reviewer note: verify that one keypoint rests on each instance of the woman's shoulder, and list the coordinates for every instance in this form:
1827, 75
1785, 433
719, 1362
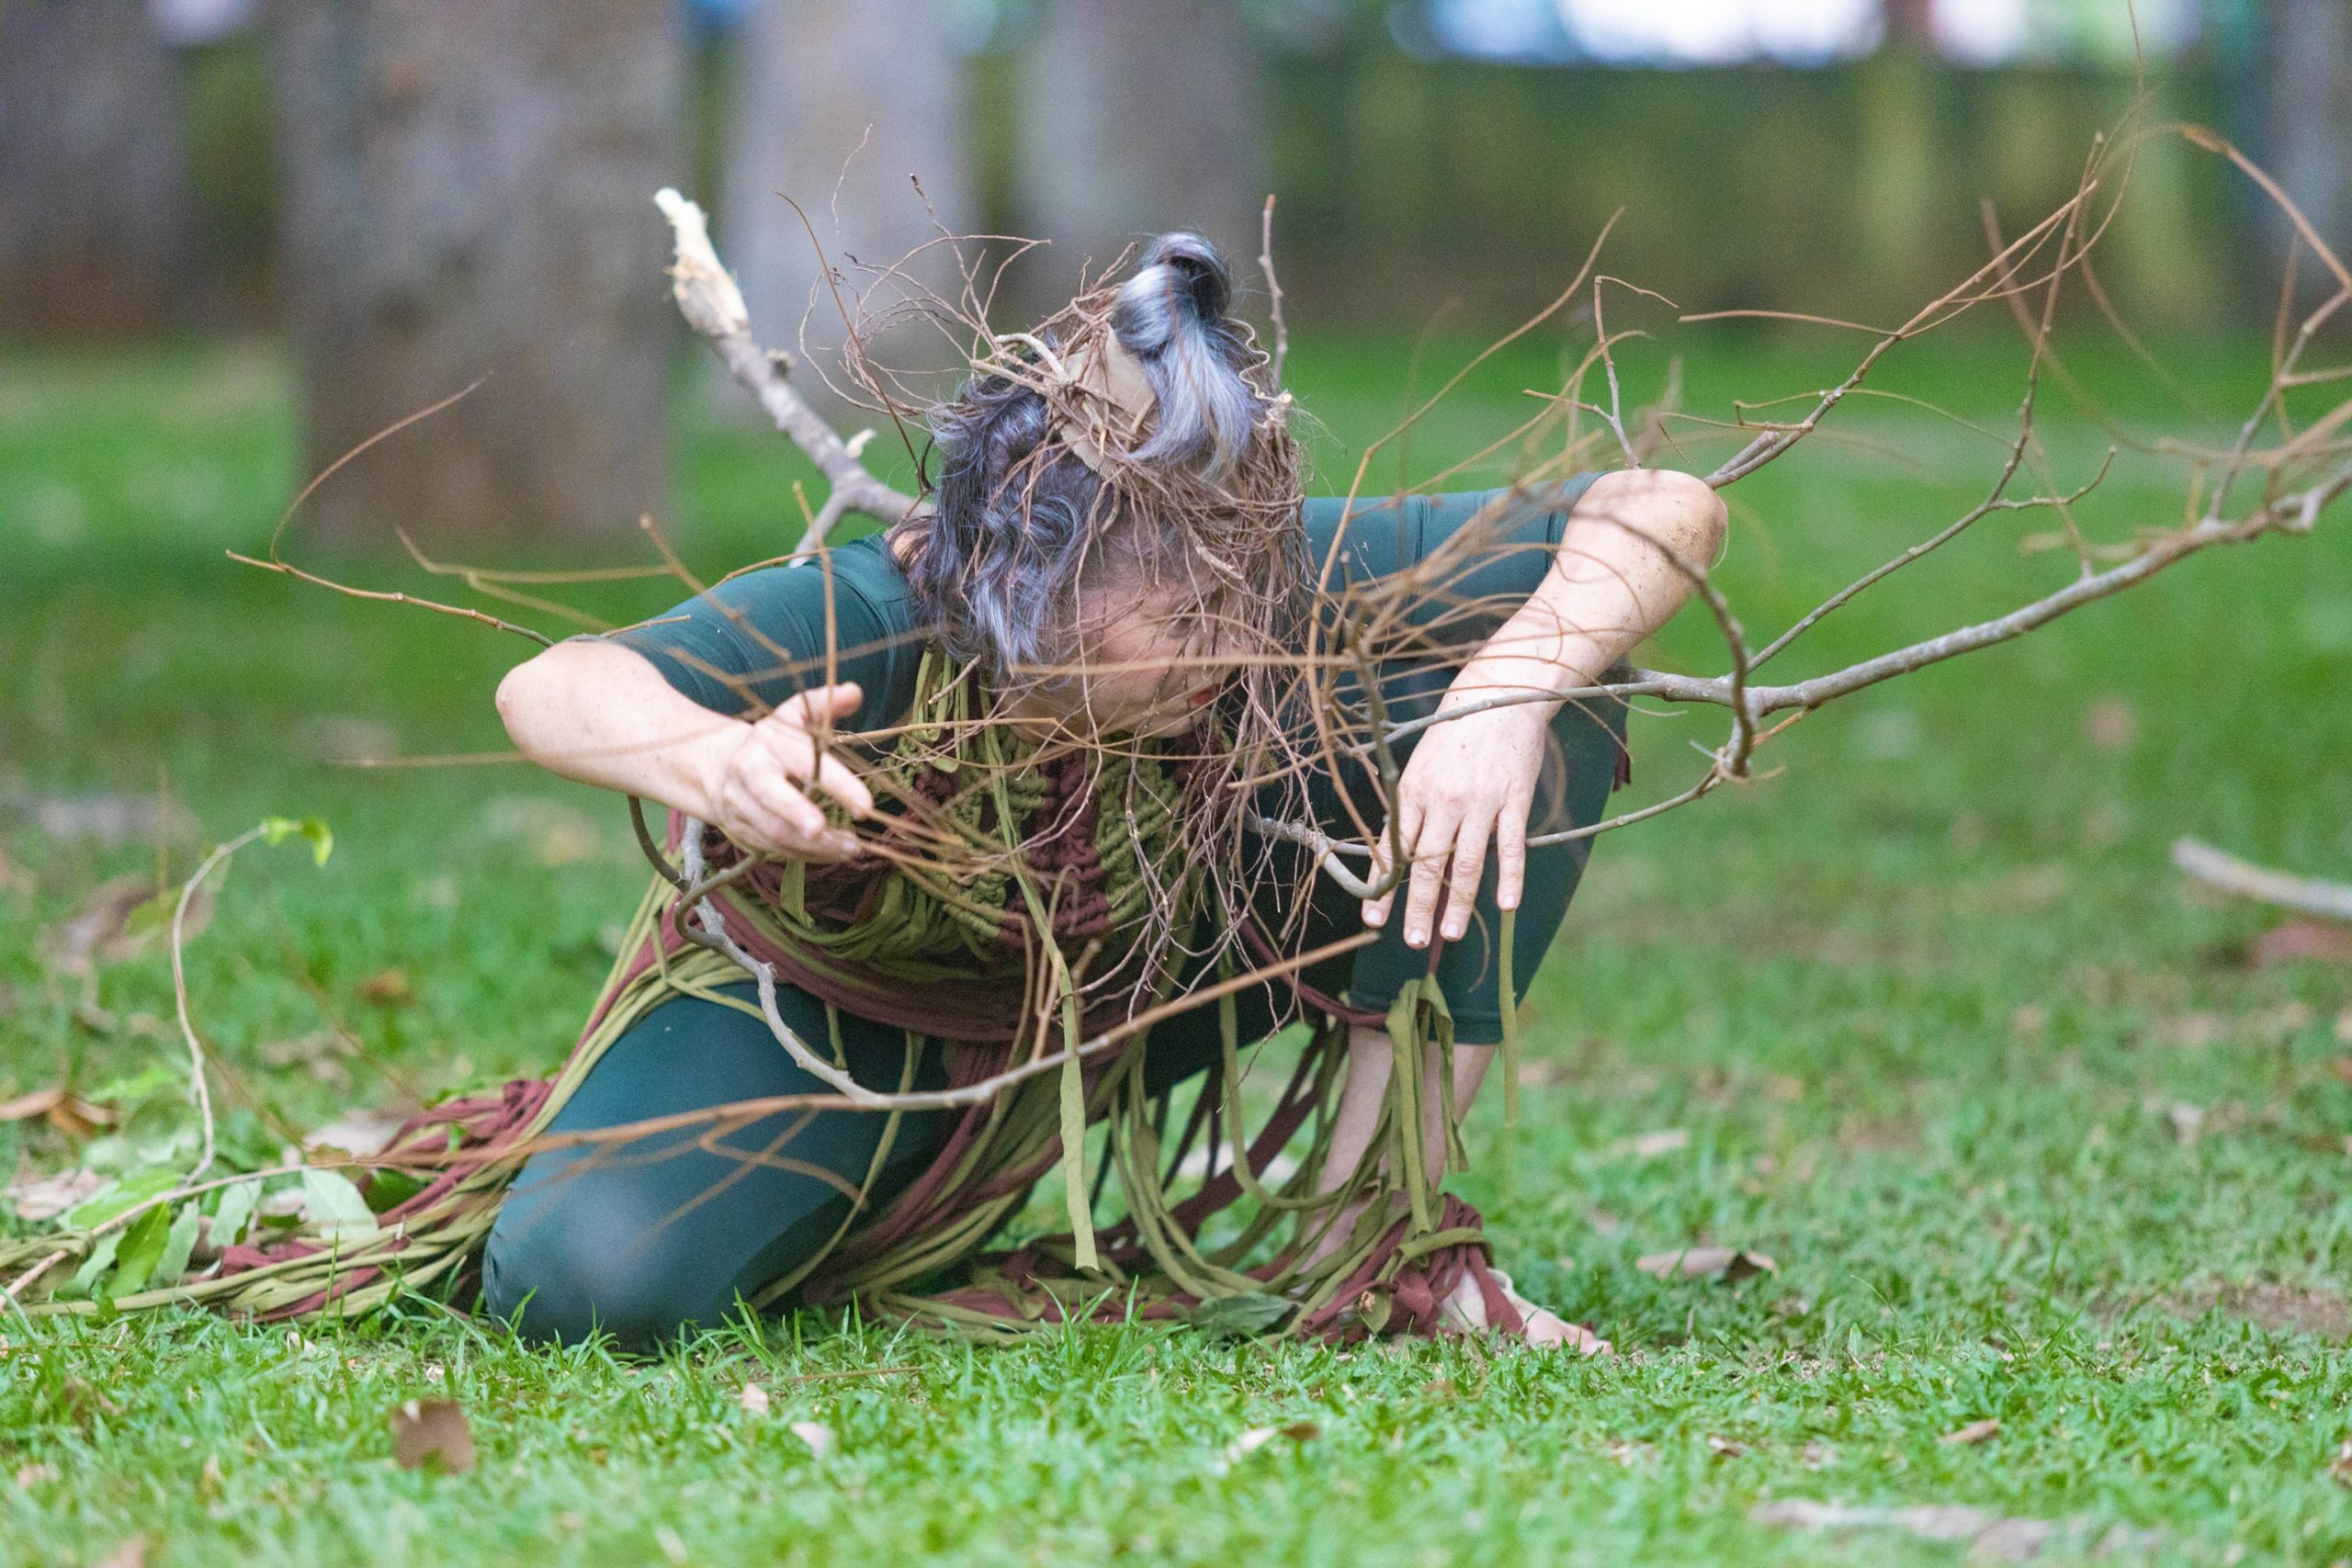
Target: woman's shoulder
1376, 535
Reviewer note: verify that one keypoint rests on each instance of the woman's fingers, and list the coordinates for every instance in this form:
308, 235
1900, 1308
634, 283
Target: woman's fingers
837, 779
818, 704
1384, 856
785, 734
1511, 853
1432, 853
1469, 867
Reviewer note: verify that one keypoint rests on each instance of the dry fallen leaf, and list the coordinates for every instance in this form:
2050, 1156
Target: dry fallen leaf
102, 930
388, 987
1974, 1432
62, 1109
1724, 1448
131, 1553
816, 1434
358, 1132
755, 1399
1650, 1145
80, 1401
1256, 1438
1728, 1264
2318, 941
50, 1196
433, 1432
31, 1475
2111, 724
2340, 1467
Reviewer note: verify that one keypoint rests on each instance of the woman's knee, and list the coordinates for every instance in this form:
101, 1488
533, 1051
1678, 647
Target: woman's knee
564, 1272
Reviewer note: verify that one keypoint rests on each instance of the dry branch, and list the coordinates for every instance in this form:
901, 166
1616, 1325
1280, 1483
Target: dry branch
2304, 895
713, 306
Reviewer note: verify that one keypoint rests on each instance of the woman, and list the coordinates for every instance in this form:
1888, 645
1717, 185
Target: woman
1115, 588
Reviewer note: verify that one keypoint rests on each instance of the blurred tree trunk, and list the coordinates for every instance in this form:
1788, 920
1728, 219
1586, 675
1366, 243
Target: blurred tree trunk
468, 194
1895, 182
95, 238
1137, 117
842, 106
2306, 124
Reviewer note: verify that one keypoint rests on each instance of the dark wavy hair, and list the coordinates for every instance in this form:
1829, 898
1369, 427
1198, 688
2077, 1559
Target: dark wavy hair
1016, 520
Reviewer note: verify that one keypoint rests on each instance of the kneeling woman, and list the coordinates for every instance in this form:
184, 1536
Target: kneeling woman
1060, 759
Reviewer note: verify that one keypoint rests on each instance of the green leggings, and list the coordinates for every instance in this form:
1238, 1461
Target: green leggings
642, 1239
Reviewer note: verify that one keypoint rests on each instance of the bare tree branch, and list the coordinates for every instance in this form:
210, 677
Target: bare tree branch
2305, 895
713, 306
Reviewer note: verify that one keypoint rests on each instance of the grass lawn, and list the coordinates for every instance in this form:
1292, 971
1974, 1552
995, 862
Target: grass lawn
1934, 1023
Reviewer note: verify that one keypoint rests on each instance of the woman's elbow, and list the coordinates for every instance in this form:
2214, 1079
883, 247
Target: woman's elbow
522, 693
1679, 512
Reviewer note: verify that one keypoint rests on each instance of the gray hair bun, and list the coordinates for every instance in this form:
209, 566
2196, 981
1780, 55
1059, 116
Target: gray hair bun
1170, 316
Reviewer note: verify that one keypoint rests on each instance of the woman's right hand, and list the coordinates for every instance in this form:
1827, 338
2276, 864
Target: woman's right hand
757, 778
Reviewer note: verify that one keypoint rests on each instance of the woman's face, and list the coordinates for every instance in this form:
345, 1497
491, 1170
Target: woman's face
1142, 668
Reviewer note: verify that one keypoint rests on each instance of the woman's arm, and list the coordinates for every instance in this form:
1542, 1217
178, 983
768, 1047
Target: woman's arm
1471, 781
602, 714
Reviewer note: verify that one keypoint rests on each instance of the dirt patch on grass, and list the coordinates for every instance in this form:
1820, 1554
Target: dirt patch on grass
2280, 1309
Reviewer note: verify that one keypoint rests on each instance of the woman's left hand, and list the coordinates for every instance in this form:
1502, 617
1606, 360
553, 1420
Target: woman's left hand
1469, 785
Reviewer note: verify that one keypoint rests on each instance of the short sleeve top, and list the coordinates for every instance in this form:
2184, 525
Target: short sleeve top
752, 641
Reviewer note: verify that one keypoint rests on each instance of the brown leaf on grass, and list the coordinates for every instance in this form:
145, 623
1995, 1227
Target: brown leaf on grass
1728, 1264
47, 1197
78, 1401
1974, 1432
1650, 1145
816, 1434
103, 931
2344, 1027
1989, 1536
554, 833
1724, 1448
31, 1475
388, 987
131, 1553
2319, 941
1256, 1438
356, 1132
755, 1400
2111, 724
63, 1109
2340, 1467
433, 1432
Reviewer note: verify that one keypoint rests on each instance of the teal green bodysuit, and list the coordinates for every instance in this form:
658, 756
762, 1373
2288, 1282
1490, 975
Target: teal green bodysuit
641, 1242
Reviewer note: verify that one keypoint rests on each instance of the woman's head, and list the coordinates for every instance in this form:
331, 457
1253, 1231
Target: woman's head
1115, 513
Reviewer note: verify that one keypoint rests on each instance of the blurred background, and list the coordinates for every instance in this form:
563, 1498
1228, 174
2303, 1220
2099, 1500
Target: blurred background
238, 240
394, 199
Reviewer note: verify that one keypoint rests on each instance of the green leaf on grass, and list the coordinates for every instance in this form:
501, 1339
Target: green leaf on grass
141, 1085
177, 1244
232, 1211
336, 1210
277, 830
141, 1250
124, 1195
94, 1267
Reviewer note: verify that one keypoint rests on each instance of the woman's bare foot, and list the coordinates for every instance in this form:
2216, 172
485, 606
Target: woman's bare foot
1465, 1309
